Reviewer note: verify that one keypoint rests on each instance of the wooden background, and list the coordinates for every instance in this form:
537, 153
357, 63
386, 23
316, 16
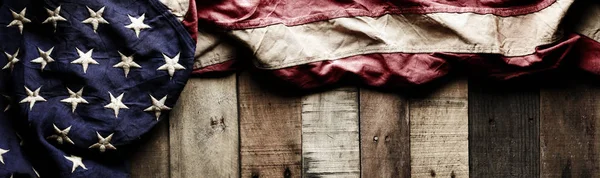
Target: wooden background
248, 126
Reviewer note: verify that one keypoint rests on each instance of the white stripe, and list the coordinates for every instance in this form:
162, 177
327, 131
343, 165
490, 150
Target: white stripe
212, 49
178, 7
279, 46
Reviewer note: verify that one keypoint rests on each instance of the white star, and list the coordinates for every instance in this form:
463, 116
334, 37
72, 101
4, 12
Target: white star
126, 63
8, 101
95, 18
171, 65
137, 24
76, 160
32, 97
157, 106
74, 98
12, 60
19, 19
103, 143
54, 17
85, 59
116, 104
2, 151
44, 57
61, 135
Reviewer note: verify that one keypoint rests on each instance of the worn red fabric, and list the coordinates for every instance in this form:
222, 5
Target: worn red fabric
190, 21
230, 65
237, 14
586, 55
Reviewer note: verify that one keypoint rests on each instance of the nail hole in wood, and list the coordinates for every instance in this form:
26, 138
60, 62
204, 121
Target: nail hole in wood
287, 173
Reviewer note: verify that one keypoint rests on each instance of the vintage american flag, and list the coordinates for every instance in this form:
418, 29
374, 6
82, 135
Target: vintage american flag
82, 79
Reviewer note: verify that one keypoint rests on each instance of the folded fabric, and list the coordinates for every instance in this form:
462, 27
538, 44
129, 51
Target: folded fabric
81, 80
399, 42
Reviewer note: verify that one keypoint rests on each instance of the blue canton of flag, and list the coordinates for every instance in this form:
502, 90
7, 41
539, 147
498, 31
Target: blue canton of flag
82, 79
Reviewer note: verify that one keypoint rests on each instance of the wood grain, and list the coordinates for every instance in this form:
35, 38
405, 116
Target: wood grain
151, 159
503, 130
384, 135
270, 130
439, 132
204, 130
570, 130
330, 134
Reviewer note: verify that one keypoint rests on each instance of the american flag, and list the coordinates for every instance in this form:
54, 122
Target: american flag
82, 79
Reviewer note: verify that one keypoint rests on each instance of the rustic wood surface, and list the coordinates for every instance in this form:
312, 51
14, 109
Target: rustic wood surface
439, 132
503, 130
570, 130
270, 130
204, 130
330, 141
253, 127
384, 132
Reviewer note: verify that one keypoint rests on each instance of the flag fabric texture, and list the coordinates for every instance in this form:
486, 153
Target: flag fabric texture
391, 43
81, 80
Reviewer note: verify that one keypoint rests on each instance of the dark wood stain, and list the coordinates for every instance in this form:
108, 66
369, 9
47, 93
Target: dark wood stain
503, 130
287, 173
432, 173
570, 118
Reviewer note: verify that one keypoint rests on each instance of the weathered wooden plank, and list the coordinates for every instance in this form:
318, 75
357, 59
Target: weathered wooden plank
503, 130
439, 132
151, 159
270, 129
204, 134
330, 134
384, 135
570, 130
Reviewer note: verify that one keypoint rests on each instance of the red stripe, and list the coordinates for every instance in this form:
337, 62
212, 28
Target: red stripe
587, 55
190, 21
240, 14
227, 66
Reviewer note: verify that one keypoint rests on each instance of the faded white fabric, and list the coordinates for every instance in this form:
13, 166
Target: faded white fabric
212, 49
178, 7
279, 46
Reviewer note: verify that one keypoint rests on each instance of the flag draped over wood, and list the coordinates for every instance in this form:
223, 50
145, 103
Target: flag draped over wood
82, 80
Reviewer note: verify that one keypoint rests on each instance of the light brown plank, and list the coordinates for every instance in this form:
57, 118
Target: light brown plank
270, 128
151, 159
330, 134
439, 132
204, 130
384, 135
570, 129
